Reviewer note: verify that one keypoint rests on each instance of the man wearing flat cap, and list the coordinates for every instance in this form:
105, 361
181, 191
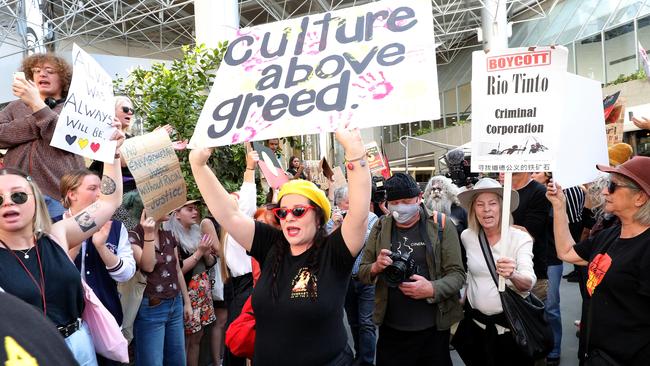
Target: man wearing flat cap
415, 262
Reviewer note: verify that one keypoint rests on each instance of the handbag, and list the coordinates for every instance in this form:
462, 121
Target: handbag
216, 281
525, 316
240, 335
104, 330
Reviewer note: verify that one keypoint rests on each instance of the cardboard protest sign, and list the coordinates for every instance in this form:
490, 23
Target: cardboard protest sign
614, 111
370, 65
270, 166
375, 159
157, 172
517, 102
84, 125
583, 118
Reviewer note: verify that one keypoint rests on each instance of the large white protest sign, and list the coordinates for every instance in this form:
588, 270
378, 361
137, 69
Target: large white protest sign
84, 125
369, 65
157, 172
581, 140
517, 97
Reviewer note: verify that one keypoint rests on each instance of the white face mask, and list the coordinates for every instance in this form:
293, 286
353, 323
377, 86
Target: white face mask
404, 212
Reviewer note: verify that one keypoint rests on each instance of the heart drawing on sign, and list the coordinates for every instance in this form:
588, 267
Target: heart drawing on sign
70, 139
82, 143
94, 146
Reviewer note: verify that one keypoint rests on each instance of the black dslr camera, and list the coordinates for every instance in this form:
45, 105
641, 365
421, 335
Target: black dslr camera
378, 189
401, 270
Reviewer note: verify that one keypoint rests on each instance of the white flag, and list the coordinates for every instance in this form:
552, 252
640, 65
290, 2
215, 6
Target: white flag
643, 55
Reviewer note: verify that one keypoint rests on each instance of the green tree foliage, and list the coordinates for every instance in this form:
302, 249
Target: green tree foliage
174, 93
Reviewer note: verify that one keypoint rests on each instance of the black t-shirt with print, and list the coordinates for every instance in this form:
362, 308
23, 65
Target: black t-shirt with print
619, 285
298, 330
403, 312
28, 336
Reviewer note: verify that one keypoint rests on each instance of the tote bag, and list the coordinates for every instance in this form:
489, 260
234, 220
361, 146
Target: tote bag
104, 330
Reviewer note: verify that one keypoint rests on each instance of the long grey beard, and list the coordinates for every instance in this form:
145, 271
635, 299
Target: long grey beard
440, 205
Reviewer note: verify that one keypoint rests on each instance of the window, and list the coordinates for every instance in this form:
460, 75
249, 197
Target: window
589, 57
620, 52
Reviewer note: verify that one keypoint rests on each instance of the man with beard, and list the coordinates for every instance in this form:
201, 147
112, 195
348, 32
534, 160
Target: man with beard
440, 195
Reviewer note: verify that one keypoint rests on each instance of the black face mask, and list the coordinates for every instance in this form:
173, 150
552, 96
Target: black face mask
51, 102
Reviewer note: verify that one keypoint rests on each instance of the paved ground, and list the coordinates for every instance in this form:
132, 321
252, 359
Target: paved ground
570, 303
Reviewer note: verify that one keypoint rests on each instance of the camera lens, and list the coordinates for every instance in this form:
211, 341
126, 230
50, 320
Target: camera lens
394, 274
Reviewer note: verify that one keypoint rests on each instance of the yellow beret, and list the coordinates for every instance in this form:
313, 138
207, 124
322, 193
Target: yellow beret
308, 190
619, 153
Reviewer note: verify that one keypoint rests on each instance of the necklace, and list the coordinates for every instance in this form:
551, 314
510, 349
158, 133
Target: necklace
25, 252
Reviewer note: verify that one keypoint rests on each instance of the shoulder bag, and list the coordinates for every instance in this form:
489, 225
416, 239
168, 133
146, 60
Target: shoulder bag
525, 316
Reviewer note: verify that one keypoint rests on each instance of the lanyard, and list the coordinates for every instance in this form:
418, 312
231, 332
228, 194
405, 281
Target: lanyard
41, 286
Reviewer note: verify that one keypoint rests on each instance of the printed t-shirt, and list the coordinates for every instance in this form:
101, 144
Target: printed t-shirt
619, 285
298, 330
28, 338
403, 312
162, 283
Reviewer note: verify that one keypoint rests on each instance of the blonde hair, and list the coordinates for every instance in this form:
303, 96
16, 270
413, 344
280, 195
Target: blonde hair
70, 182
472, 221
120, 99
41, 222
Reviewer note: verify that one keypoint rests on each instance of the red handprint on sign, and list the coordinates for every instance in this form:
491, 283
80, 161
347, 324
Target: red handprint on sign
378, 89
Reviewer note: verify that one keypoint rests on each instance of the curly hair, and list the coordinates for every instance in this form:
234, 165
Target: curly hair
313, 259
448, 196
62, 67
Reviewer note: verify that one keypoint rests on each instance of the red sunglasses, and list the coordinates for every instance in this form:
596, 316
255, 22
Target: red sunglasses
297, 212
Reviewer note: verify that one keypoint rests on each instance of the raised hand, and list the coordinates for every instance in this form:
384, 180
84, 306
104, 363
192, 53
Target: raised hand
200, 156
28, 92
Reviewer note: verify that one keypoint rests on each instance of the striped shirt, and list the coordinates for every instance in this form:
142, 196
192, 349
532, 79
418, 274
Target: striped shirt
575, 201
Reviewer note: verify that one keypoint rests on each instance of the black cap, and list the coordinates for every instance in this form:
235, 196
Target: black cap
401, 186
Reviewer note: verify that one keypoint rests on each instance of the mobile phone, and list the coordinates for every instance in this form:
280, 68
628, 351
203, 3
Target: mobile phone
630, 114
19, 75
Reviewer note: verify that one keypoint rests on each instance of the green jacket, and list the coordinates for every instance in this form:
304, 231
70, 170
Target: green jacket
445, 268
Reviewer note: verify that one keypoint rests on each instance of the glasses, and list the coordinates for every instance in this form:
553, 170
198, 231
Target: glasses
297, 212
48, 70
16, 197
127, 110
611, 187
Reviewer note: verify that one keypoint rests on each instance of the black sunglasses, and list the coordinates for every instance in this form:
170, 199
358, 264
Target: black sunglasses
297, 212
16, 197
126, 109
611, 187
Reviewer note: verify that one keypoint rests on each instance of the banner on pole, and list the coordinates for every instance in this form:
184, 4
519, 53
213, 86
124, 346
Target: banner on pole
157, 172
516, 105
85, 123
365, 65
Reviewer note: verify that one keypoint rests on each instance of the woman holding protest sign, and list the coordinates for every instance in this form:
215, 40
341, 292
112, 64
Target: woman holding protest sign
483, 336
105, 258
27, 125
158, 327
305, 273
618, 260
34, 262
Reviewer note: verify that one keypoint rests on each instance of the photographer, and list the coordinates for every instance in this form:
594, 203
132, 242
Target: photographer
417, 278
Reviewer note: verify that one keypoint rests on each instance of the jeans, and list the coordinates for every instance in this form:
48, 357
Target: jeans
54, 207
359, 307
81, 346
552, 307
159, 333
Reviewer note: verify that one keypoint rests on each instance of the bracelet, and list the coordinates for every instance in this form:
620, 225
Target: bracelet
247, 168
149, 240
357, 159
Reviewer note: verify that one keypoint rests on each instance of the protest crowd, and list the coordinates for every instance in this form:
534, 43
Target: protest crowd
372, 272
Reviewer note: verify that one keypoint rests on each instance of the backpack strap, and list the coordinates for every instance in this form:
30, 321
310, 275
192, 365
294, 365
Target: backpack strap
439, 219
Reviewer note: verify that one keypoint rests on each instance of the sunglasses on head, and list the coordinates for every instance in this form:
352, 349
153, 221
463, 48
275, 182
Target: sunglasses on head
126, 109
297, 212
611, 187
16, 197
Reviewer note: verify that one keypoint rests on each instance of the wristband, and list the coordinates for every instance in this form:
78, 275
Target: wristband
149, 240
247, 168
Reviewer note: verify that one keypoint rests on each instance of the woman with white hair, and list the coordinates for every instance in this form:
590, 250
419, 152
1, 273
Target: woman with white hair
483, 336
197, 258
